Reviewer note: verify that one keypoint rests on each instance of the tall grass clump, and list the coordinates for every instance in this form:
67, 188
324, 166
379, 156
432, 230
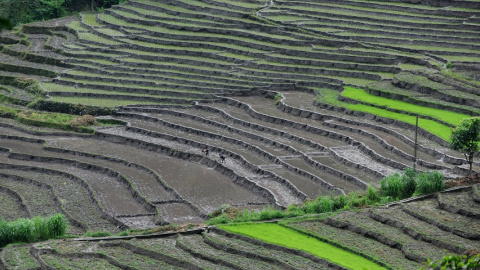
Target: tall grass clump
32, 230
399, 186
429, 182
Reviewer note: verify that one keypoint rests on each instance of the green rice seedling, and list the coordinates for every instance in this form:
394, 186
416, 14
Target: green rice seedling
98, 39
447, 116
429, 182
90, 19
279, 235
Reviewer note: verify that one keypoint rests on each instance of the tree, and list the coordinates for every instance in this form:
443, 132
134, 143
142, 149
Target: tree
466, 138
5, 23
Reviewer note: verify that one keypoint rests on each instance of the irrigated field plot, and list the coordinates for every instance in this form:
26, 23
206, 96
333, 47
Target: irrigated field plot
292, 99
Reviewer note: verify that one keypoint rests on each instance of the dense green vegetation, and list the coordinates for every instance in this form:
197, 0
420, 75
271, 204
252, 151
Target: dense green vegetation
466, 139
32, 230
393, 187
37, 10
276, 234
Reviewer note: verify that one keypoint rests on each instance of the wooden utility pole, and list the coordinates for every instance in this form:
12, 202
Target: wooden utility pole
415, 146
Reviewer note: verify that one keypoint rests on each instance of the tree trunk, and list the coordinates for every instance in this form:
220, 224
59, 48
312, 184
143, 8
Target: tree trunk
470, 162
93, 5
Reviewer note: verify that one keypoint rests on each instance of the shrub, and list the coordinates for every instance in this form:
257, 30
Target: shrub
429, 182
455, 262
6, 112
82, 121
399, 186
391, 185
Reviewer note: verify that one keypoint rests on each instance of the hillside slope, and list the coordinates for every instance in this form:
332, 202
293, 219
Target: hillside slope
257, 82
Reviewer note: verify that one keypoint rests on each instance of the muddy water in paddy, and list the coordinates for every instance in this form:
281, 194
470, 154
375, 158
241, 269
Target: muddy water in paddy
249, 155
179, 213
397, 143
307, 186
221, 131
145, 183
218, 118
202, 186
259, 104
333, 163
114, 196
330, 178
179, 145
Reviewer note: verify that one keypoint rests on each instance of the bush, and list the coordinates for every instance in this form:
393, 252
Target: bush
6, 112
31, 230
455, 262
399, 186
429, 182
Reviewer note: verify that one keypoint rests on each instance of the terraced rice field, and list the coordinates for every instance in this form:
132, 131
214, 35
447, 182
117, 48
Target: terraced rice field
401, 236
267, 84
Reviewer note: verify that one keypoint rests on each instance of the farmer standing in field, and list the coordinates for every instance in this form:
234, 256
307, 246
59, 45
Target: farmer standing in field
222, 158
205, 151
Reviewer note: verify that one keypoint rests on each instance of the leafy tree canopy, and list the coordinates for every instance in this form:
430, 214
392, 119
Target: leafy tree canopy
466, 138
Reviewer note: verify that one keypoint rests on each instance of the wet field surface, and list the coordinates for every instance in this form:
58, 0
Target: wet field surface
268, 161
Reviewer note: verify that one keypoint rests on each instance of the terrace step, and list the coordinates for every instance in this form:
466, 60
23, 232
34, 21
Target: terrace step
195, 245
270, 166
418, 229
459, 203
362, 224
427, 210
240, 189
316, 154
355, 242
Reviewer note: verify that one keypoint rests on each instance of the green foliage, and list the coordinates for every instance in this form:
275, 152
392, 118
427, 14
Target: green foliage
58, 121
448, 65
6, 112
32, 230
429, 182
455, 262
399, 186
393, 187
5, 23
67, 108
277, 98
466, 138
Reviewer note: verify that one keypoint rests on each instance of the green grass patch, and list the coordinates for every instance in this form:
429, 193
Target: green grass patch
58, 120
276, 234
98, 39
89, 18
6, 112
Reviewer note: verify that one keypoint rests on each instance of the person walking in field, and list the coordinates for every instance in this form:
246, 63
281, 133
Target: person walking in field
206, 152
222, 158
